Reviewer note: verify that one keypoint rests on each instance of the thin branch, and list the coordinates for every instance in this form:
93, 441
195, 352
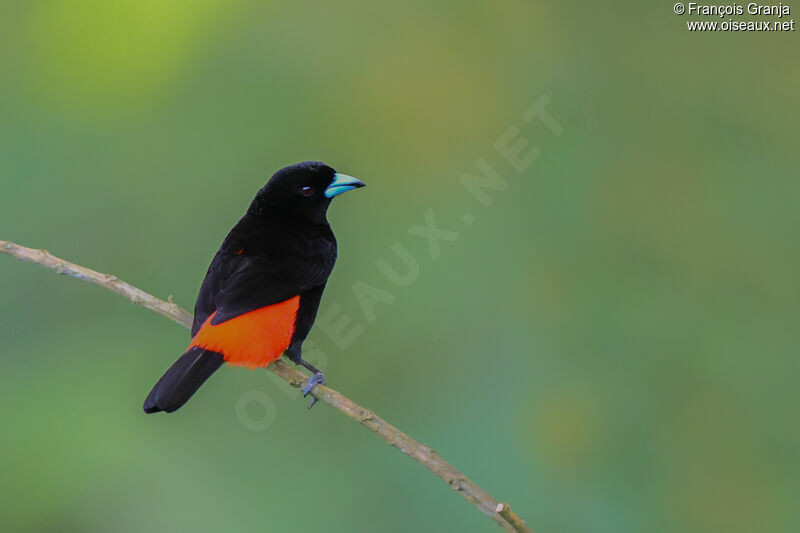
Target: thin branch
421, 453
511, 517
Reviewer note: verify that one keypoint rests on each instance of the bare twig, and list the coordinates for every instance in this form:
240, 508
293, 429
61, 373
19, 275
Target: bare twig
421, 453
511, 517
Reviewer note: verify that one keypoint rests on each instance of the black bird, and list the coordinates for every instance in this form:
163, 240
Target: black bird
260, 296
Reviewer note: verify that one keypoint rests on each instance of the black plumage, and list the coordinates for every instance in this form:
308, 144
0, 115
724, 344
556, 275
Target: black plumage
281, 248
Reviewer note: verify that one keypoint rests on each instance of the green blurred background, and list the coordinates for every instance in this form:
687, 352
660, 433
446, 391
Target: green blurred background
611, 346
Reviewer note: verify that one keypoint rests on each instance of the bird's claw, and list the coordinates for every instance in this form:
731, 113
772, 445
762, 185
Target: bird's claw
313, 381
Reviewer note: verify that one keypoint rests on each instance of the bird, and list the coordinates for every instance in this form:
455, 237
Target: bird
263, 289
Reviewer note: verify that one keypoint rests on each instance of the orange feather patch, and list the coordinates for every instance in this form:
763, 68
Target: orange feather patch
253, 339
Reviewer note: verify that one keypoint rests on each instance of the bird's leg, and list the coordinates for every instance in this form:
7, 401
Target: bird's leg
312, 368
294, 355
313, 381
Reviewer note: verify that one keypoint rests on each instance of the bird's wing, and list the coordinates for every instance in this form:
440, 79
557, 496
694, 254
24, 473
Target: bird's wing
221, 267
258, 282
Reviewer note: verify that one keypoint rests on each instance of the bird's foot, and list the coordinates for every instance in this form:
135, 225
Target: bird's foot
316, 379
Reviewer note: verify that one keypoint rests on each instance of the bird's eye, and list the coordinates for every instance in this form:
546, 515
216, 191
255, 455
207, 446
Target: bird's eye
307, 190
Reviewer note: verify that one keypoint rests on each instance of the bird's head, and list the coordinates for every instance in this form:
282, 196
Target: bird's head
302, 192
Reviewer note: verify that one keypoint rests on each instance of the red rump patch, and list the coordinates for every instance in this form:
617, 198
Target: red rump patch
253, 339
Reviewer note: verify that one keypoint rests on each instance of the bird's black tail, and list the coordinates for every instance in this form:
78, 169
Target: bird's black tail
182, 380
